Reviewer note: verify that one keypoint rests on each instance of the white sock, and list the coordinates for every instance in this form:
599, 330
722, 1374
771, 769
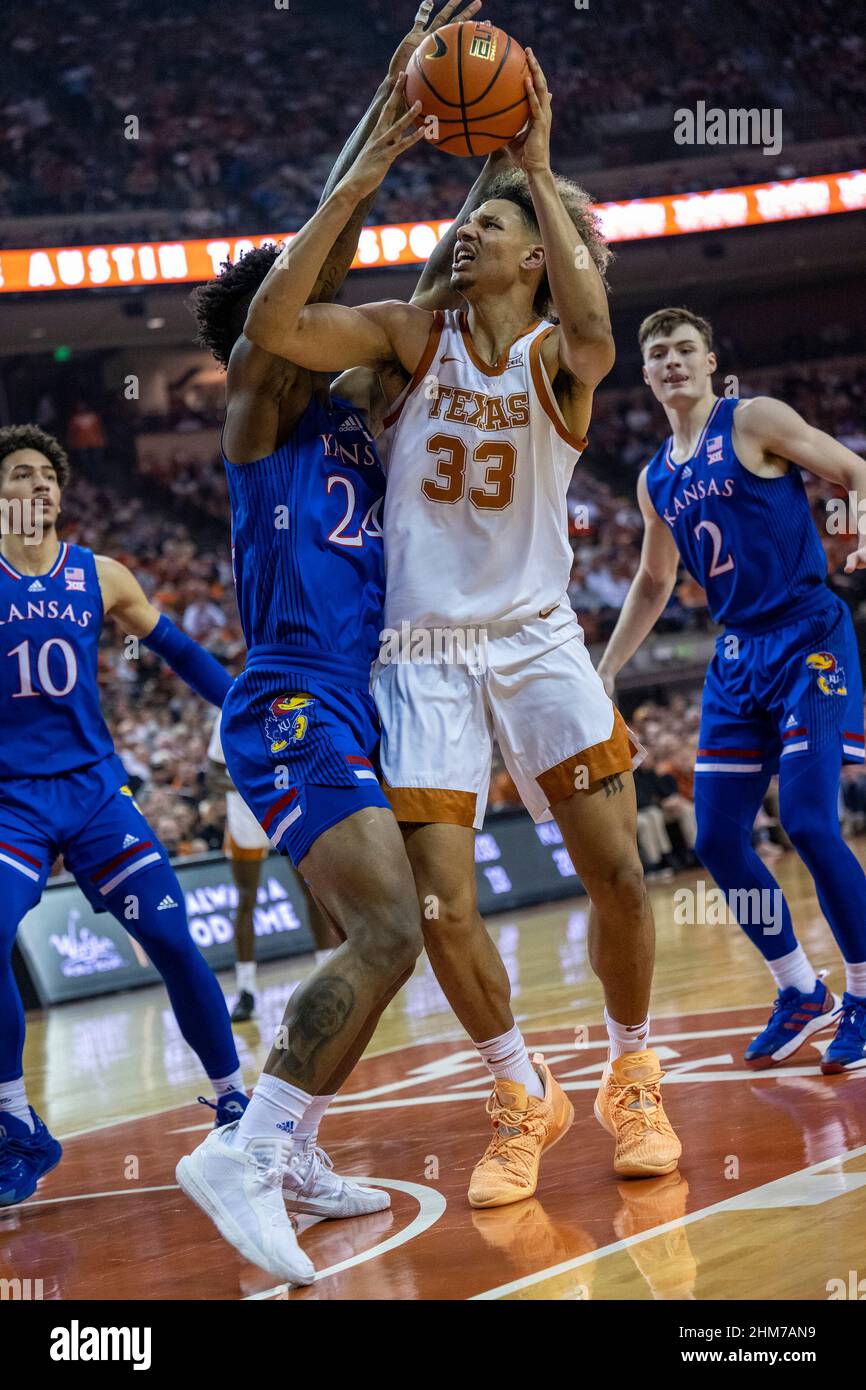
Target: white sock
308, 1128
793, 969
275, 1110
626, 1037
506, 1059
855, 978
223, 1084
245, 976
13, 1101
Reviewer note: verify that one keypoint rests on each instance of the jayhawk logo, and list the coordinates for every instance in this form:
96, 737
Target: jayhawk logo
831, 678
285, 722
127, 791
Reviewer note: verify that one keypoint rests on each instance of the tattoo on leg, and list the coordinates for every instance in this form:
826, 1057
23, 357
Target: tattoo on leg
612, 785
321, 1013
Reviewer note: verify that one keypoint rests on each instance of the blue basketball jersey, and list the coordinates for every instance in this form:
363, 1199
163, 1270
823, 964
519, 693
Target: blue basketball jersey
749, 542
50, 717
307, 544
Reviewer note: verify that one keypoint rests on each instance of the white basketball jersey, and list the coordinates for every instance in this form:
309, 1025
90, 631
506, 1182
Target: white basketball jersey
478, 461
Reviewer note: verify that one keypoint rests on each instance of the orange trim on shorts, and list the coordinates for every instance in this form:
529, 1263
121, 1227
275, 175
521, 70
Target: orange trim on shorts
498, 367
431, 347
605, 759
233, 850
545, 394
431, 805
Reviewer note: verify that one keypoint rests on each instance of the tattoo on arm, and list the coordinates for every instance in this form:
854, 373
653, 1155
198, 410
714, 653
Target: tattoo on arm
340, 257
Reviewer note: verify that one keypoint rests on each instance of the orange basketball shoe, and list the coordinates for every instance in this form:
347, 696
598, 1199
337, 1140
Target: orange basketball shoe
629, 1106
523, 1128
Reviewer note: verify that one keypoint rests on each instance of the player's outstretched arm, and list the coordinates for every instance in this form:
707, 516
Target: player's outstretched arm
775, 428
650, 591
336, 267
125, 601
331, 337
585, 340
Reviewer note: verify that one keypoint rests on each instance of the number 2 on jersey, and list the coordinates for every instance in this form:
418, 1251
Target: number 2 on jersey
716, 538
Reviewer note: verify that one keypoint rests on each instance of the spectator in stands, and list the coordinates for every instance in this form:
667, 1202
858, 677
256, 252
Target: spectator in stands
85, 438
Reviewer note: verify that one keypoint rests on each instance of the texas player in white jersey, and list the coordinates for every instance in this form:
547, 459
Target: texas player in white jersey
479, 448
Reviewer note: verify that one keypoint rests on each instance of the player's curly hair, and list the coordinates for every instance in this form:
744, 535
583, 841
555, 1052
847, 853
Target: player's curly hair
513, 186
15, 437
220, 306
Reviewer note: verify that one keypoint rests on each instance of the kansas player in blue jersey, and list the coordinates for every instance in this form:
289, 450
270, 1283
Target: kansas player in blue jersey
299, 732
784, 691
63, 789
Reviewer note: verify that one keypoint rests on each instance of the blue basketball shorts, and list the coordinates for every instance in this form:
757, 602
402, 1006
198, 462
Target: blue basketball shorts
90, 817
303, 753
782, 694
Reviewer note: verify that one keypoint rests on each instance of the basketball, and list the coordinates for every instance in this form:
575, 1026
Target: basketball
470, 78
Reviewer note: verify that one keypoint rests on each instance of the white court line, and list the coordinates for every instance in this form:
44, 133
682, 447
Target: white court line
431, 1205
89, 1196
740, 1199
403, 1047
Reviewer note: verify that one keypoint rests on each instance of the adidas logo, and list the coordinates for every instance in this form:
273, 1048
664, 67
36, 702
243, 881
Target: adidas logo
129, 840
687, 472
351, 422
168, 901
790, 722
36, 587
288, 1126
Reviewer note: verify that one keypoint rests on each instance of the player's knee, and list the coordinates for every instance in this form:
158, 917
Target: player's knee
618, 886
450, 917
712, 844
808, 829
389, 938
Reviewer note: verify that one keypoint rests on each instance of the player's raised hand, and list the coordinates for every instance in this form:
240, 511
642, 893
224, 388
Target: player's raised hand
856, 560
394, 132
454, 12
530, 150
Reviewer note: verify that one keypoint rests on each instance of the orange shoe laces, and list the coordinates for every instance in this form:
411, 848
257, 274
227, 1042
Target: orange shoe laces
514, 1151
648, 1113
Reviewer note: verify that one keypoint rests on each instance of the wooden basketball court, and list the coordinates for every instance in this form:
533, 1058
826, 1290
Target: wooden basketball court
769, 1202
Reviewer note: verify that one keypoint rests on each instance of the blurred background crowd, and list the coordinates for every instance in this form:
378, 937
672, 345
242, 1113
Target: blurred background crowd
195, 119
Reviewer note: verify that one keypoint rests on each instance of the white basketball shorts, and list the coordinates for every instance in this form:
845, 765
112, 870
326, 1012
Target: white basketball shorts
532, 686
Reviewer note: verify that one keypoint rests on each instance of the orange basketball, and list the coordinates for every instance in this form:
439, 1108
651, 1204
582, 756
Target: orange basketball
470, 78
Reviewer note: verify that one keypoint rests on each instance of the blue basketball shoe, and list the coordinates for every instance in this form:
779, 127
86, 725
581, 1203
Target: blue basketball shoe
24, 1157
795, 1018
228, 1108
848, 1048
